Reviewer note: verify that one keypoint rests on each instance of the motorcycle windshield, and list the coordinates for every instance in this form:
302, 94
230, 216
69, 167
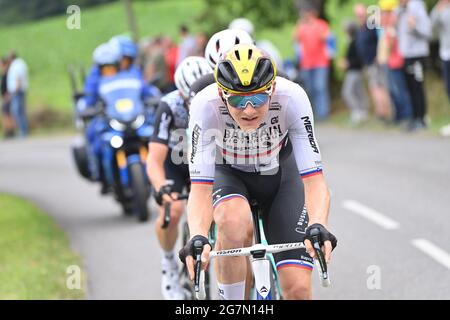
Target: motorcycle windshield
122, 96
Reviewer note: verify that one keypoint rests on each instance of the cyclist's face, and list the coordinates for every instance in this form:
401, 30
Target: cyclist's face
249, 118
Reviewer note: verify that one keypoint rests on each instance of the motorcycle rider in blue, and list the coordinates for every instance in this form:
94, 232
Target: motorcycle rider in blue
113, 62
106, 63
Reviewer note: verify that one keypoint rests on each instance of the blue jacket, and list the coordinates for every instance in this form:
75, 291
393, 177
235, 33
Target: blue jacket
91, 85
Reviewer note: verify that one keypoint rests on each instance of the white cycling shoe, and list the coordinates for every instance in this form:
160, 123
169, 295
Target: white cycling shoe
170, 282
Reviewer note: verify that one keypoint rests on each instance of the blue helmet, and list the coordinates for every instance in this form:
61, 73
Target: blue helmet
126, 46
106, 54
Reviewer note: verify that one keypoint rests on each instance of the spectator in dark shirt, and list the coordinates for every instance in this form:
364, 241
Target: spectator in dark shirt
366, 44
7, 119
353, 90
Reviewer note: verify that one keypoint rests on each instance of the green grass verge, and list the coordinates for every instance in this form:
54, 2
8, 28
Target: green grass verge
49, 47
34, 254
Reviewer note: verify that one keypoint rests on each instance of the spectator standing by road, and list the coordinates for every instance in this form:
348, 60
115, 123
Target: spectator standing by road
187, 44
312, 34
440, 18
353, 90
201, 40
155, 71
367, 44
17, 86
7, 120
390, 58
171, 58
414, 32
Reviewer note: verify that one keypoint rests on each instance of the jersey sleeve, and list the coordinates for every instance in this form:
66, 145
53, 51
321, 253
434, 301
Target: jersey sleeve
301, 133
163, 123
202, 131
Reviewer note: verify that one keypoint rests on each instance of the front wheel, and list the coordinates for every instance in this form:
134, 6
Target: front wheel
139, 188
127, 208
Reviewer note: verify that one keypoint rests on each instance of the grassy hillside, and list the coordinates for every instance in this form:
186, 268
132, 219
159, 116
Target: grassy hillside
48, 46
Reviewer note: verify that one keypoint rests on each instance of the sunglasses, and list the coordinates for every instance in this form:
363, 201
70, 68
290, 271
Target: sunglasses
240, 102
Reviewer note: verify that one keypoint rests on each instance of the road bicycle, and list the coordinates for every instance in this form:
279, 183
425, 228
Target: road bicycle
263, 267
185, 281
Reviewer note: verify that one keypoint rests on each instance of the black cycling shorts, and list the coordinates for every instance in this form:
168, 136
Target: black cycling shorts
176, 174
281, 199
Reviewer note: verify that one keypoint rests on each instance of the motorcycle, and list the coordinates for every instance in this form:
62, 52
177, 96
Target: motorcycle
126, 126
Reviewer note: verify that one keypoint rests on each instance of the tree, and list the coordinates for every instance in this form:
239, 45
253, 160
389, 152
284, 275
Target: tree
218, 13
17, 11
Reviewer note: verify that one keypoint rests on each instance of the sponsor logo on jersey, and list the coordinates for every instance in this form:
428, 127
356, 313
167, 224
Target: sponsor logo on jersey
223, 110
302, 222
274, 120
195, 140
309, 130
275, 106
239, 140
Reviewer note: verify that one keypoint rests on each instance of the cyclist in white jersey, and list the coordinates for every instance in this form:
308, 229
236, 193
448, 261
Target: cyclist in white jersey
252, 138
166, 168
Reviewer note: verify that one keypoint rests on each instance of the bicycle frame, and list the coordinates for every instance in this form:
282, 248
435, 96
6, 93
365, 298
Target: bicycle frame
261, 264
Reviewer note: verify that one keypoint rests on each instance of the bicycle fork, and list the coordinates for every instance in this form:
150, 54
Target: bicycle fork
260, 263
263, 273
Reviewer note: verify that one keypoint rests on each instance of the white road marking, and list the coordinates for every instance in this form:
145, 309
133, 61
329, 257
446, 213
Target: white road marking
371, 214
433, 251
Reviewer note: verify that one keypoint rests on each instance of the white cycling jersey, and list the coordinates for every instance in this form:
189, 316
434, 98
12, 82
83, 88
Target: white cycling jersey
214, 136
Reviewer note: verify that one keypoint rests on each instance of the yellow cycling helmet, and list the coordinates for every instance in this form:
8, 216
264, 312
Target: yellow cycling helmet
245, 69
388, 5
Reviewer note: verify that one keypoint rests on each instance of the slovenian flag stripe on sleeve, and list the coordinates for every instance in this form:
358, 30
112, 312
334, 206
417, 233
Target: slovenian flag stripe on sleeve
311, 173
202, 181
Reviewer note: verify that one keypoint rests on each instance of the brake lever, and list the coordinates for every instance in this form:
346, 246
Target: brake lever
315, 236
166, 220
198, 248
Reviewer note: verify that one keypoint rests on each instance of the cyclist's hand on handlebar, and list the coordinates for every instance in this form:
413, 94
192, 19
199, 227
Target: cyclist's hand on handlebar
168, 198
164, 194
187, 254
327, 241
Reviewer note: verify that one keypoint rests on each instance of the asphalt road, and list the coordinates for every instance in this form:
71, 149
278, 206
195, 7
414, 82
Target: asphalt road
390, 211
